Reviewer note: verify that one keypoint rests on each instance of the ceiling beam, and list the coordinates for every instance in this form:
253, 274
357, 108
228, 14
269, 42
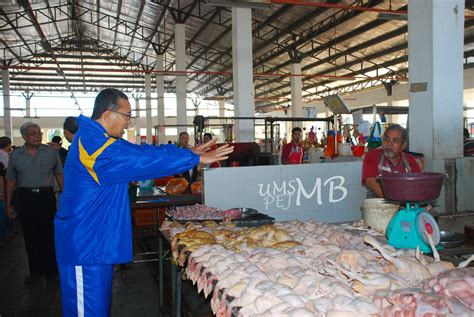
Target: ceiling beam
319, 28
313, 14
6, 47
350, 50
97, 11
9, 22
137, 22
117, 18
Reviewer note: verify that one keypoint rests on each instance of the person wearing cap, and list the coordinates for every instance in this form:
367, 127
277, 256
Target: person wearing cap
389, 158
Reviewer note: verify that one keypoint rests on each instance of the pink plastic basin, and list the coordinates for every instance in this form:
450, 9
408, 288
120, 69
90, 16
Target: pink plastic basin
412, 187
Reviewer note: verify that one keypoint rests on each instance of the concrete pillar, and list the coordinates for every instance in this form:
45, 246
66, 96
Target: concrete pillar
389, 104
160, 89
296, 96
389, 89
137, 114
137, 105
149, 120
196, 104
435, 46
296, 91
222, 115
7, 118
28, 107
222, 108
242, 63
180, 48
28, 97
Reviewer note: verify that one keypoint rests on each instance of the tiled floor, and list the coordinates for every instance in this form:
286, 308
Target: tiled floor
17, 298
134, 291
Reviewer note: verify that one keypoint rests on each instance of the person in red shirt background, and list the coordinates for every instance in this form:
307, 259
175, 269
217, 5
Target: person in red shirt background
389, 158
293, 152
206, 138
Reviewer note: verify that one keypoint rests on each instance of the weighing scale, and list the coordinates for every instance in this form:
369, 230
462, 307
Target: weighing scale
407, 229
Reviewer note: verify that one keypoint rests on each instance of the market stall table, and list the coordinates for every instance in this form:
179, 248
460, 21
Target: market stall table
309, 268
148, 213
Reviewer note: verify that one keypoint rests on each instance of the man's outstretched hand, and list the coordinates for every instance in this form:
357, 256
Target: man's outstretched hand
219, 154
203, 148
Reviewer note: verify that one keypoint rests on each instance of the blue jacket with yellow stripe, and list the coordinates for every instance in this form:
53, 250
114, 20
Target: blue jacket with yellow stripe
93, 225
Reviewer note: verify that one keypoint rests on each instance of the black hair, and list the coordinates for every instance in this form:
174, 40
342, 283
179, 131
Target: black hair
57, 139
296, 129
107, 99
398, 127
70, 124
208, 135
4, 142
183, 133
466, 133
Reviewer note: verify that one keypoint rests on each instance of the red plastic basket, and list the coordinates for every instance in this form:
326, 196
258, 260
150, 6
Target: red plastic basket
358, 150
146, 217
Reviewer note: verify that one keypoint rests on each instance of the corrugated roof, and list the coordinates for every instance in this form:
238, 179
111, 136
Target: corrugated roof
80, 45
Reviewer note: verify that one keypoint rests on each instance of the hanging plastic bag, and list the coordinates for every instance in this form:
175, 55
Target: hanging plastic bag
146, 184
329, 150
364, 128
375, 139
176, 186
196, 188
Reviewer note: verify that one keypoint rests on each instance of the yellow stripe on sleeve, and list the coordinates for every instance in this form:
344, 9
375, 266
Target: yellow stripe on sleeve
89, 160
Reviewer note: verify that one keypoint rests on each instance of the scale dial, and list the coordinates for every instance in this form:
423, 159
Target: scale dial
426, 222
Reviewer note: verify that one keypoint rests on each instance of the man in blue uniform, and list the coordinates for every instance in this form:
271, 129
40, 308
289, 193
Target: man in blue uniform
93, 227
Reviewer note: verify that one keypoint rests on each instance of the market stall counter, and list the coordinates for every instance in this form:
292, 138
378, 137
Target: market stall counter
310, 268
149, 209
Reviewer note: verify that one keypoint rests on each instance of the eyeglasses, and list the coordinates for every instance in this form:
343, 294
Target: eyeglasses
127, 115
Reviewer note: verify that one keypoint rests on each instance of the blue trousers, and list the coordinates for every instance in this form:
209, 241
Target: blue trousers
85, 290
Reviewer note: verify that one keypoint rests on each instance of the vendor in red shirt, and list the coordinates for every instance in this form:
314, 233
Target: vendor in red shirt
390, 158
206, 138
292, 153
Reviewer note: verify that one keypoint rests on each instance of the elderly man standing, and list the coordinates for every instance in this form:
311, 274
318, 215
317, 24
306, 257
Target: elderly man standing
32, 170
390, 158
93, 226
